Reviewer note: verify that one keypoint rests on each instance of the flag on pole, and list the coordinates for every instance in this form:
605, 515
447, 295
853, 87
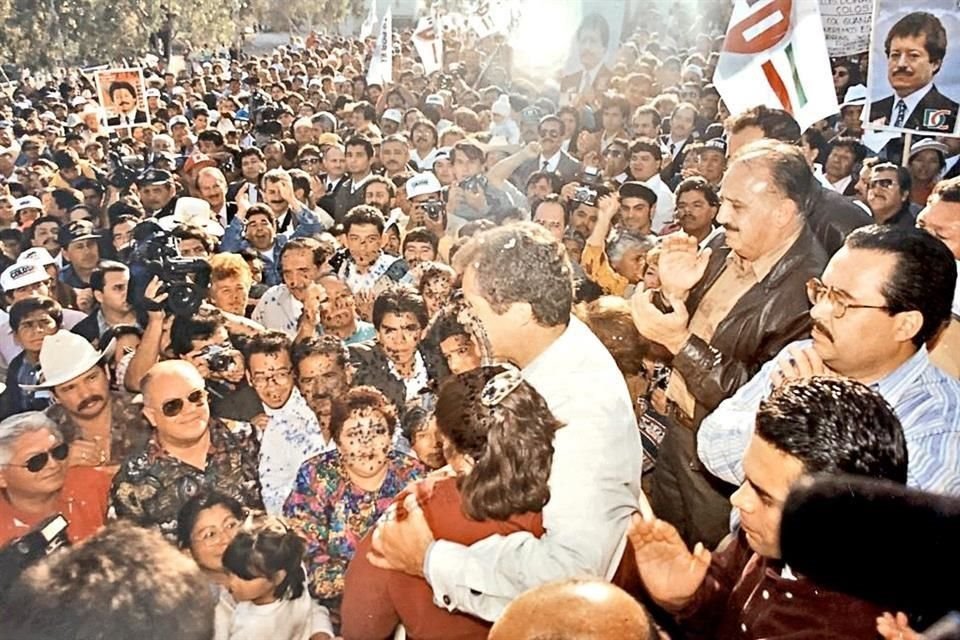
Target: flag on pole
370, 22
775, 54
381, 65
428, 41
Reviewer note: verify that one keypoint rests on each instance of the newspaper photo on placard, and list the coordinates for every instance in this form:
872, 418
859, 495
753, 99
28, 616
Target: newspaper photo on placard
593, 47
914, 81
122, 94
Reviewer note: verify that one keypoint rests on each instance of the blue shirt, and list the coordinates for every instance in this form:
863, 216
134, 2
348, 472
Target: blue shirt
924, 398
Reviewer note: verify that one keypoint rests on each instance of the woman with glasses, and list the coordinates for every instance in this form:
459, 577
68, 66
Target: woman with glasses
36, 481
339, 495
206, 525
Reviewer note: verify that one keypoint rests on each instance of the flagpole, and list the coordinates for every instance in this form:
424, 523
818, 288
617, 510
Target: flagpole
907, 143
483, 71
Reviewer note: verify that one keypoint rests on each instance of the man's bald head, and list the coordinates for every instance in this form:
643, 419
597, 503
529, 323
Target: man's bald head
574, 609
164, 370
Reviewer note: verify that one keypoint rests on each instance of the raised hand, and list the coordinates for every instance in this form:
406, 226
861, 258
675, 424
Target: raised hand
800, 363
682, 264
670, 573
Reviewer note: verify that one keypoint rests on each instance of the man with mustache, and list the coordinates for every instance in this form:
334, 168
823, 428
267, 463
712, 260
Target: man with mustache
725, 310
881, 299
322, 366
915, 47
101, 425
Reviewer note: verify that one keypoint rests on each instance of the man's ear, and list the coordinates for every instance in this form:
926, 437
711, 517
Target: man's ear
908, 324
151, 415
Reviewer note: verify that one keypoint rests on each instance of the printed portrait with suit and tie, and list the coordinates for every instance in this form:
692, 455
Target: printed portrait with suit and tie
123, 96
915, 90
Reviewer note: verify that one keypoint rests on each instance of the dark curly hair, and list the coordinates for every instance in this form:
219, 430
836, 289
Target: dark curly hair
263, 547
362, 397
835, 425
511, 444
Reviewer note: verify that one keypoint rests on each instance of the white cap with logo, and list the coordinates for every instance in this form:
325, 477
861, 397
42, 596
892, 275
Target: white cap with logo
22, 274
422, 184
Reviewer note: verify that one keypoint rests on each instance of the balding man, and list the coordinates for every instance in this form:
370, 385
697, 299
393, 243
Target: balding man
188, 451
941, 217
731, 307
574, 609
212, 187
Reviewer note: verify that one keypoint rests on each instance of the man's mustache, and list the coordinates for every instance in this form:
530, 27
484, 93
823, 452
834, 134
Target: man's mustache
819, 326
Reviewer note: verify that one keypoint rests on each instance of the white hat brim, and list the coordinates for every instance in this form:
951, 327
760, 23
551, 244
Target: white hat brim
81, 367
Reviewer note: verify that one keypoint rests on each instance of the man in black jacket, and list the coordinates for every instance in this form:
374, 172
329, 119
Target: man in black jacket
725, 311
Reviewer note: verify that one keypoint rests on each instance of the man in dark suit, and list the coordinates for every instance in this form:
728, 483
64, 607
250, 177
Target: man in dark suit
252, 167
593, 38
123, 95
682, 132
552, 158
915, 47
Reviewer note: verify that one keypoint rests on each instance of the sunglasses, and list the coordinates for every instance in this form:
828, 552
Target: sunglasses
613, 153
172, 408
309, 160
883, 183
36, 463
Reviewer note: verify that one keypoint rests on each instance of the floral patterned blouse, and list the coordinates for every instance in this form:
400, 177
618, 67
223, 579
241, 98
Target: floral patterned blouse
332, 515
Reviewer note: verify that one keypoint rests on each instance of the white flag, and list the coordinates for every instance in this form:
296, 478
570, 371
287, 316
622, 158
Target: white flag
381, 65
370, 22
429, 44
775, 55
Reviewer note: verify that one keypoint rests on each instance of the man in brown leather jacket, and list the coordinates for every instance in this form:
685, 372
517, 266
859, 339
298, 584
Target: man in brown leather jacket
723, 312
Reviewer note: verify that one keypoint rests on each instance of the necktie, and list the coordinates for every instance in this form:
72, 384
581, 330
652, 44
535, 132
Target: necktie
673, 148
329, 186
544, 167
901, 113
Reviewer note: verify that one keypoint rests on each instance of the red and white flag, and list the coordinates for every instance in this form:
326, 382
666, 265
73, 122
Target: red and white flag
428, 40
775, 54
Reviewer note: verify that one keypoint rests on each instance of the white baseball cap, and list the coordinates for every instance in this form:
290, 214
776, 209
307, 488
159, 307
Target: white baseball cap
422, 184
393, 115
435, 99
37, 254
27, 202
22, 274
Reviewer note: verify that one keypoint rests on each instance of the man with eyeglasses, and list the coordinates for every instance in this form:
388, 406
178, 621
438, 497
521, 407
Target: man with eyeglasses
552, 158
881, 299
37, 481
188, 451
292, 434
615, 159
888, 195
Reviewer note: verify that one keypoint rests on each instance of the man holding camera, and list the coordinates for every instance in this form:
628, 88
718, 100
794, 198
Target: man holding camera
472, 196
427, 209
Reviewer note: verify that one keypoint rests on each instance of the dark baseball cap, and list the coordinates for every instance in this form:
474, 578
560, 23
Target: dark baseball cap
153, 176
77, 230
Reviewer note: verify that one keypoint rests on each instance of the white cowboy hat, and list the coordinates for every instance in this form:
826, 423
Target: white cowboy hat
64, 356
192, 211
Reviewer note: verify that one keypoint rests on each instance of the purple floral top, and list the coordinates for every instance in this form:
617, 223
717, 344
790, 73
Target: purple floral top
332, 515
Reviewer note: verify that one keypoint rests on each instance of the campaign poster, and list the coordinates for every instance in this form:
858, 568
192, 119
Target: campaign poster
914, 80
122, 95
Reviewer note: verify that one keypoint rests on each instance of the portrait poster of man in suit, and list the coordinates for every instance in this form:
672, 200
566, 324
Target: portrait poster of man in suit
593, 48
122, 95
914, 80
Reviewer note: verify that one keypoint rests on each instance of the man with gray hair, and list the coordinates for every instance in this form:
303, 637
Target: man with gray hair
723, 312
37, 482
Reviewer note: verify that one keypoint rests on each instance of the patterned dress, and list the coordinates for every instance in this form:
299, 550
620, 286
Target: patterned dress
332, 515
151, 485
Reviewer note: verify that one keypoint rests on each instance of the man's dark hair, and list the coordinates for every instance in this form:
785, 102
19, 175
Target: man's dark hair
123, 583
325, 345
595, 22
616, 101
117, 85
521, 262
193, 232
948, 190
377, 179
200, 326
23, 308
321, 250
364, 214
836, 426
776, 124
916, 24
556, 182
850, 143
360, 141
212, 136
649, 145
266, 343
399, 299
251, 151
421, 234
923, 278
65, 199
98, 276
815, 140
698, 183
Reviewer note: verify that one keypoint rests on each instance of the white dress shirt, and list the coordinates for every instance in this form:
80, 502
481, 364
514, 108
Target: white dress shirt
911, 101
278, 309
594, 487
552, 162
840, 185
291, 437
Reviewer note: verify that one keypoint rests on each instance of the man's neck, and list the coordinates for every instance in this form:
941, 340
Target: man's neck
83, 274
424, 151
194, 454
700, 234
365, 268
881, 217
114, 318
879, 370
39, 504
346, 330
534, 343
406, 368
359, 177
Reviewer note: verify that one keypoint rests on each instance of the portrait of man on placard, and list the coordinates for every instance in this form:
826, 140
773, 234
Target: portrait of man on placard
122, 95
914, 48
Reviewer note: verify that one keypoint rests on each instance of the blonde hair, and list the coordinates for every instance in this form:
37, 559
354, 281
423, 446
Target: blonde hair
230, 265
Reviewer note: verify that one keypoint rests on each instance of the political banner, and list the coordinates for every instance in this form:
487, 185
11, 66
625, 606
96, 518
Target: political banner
428, 41
370, 23
381, 65
775, 54
914, 80
594, 41
846, 26
122, 96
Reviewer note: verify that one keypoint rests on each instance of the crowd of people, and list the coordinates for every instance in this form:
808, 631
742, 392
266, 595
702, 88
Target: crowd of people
462, 354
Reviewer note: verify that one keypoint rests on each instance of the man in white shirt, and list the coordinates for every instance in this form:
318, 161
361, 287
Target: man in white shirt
645, 160
291, 434
595, 476
301, 263
844, 154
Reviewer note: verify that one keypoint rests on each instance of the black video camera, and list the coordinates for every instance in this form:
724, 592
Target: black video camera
123, 170
155, 253
433, 209
474, 183
20, 553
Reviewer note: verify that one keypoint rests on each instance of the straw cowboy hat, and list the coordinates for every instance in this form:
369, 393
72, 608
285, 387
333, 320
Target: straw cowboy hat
64, 356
